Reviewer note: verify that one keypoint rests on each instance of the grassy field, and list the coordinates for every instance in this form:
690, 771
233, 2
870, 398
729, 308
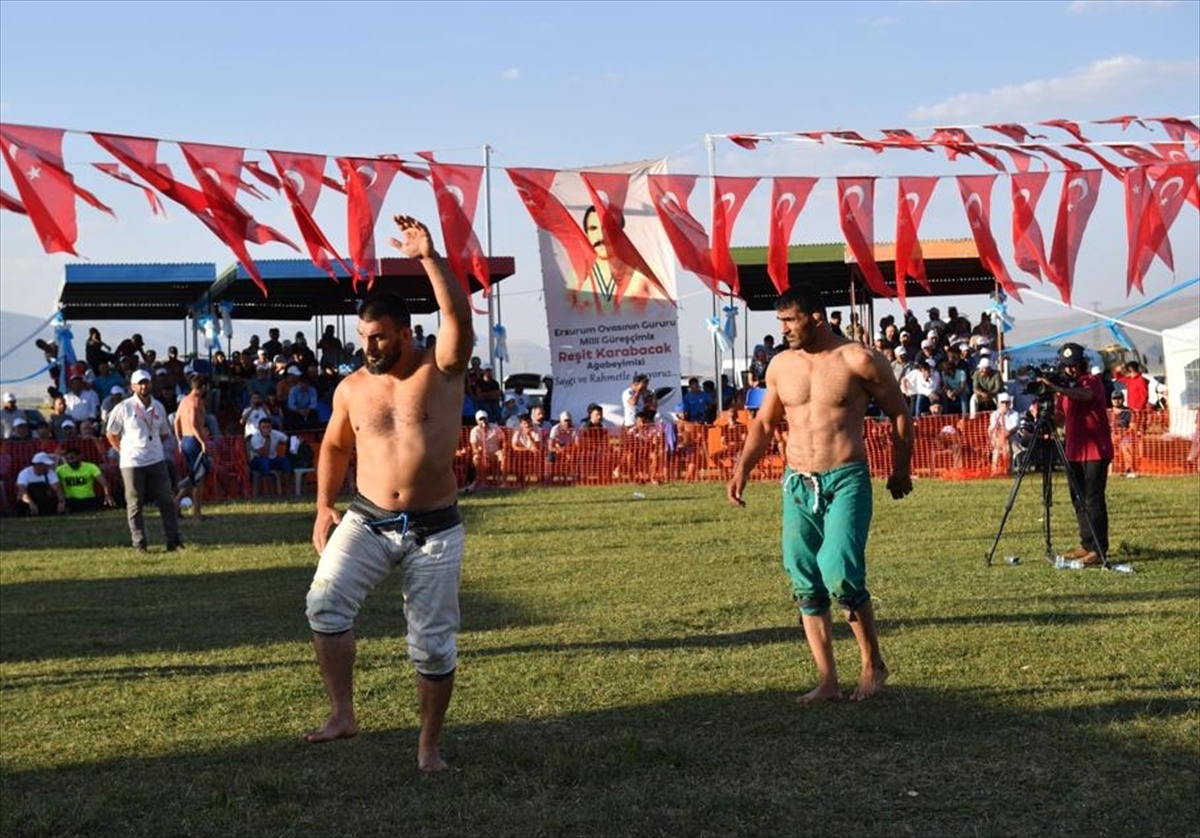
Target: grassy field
628, 667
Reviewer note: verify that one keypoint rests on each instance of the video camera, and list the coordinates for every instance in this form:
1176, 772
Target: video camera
1031, 377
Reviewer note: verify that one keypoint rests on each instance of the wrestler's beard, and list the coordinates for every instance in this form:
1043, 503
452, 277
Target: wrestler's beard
384, 363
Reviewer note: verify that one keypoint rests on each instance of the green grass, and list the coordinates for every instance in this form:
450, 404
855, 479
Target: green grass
628, 667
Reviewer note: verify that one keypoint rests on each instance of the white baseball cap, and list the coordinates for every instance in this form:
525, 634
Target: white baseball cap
139, 376
10, 397
44, 459
481, 414
1004, 397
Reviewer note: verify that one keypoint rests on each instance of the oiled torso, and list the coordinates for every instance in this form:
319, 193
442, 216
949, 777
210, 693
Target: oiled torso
825, 402
406, 430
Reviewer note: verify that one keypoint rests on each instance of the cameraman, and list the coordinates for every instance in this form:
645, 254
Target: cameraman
1082, 411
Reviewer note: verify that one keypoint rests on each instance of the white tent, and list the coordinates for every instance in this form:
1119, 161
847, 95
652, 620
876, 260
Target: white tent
1181, 356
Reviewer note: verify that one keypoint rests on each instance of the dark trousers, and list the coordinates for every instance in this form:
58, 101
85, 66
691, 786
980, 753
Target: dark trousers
150, 483
1091, 507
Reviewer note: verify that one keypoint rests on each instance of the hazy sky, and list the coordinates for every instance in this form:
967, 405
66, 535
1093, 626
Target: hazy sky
562, 85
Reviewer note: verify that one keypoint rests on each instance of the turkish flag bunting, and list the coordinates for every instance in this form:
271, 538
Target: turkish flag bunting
549, 214
1179, 130
11, 204
856, 214
976, 192
1073, 165
1110, 167
255, 168
903, 138
367, 184
856, 138
788, 197
140, 154
1138, 206
1022, 160
301, 177
1170, 190
1175, 153
729, 196
218, 170
746, 141
456, 191
914, 194
1067, 125
608, 191
1029, 249
688, 237
47, 189
1123, 121
1075, 204
114, 170
1015, 132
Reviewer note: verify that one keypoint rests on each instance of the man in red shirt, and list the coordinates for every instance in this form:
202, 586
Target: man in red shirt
1083, 413
1137, 388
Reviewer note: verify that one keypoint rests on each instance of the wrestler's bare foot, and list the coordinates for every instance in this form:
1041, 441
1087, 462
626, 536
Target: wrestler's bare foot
870, 682
331, 730
429, 759
821, 692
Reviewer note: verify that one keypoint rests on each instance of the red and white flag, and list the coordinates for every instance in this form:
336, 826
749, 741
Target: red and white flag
1141, 208
913, 198
218, 170
114, 170
1180, 130
856, 214
301, 177
140, 155
1075, 204
687, 236
549, 214
608, 191
729, 196
47, 190
456, 191
976, 192
367, 184
1029, 249
788, 197
1170, 191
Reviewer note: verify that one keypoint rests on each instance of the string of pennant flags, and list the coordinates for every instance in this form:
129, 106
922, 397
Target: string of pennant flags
1157, 178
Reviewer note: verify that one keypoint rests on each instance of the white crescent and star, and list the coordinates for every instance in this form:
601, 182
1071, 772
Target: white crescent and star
729, 199
913, 200
785, 204
526, 198
454, 192
368, 174
1083, 192
34, 173
296, 180
670, 202
974, 199
851, 192
1164, 196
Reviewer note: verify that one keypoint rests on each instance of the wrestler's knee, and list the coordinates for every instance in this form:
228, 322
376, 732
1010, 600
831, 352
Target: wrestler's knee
328, 609
813, 605
434, 656
851, 602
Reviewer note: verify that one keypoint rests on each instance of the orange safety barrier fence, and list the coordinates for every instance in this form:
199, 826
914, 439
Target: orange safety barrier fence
945, 447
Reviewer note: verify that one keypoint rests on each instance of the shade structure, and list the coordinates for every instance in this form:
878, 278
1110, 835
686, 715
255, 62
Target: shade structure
952, 267
144, 291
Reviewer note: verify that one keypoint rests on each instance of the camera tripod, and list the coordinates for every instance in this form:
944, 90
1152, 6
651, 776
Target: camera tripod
1045, 450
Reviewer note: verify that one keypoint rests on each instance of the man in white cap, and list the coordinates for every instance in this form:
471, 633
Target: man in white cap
138, 428
1002, 430
9, 414
487, 448
38, 490
986, 384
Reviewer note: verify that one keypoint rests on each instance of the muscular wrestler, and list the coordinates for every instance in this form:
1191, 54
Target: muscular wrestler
400, 415
822, 384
